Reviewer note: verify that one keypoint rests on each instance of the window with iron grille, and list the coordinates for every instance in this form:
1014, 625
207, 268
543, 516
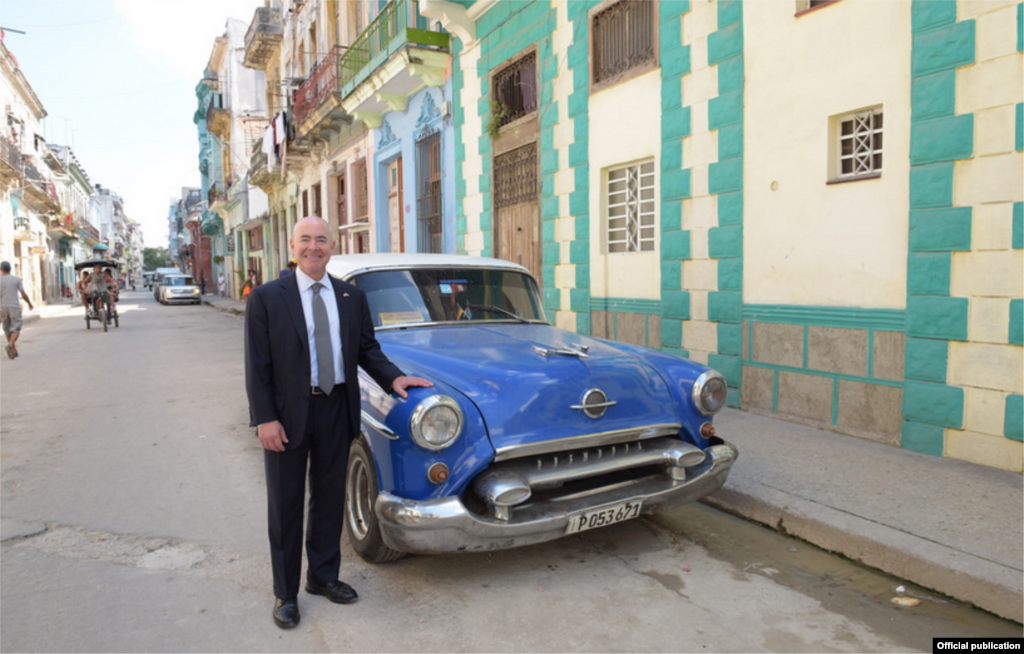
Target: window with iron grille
360, 198
859, 144
428, 193
624, 40
515, 176
515, 90
305, 203
631, 200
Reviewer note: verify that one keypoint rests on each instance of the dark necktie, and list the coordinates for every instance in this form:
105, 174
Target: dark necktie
322, 335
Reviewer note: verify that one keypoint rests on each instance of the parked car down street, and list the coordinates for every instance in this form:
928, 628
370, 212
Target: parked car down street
178, 289
529, 433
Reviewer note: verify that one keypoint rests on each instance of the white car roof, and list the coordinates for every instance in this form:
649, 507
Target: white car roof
344, 266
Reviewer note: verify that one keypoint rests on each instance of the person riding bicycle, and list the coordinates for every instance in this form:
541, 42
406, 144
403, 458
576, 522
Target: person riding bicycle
99, 286
84, 289
113, 287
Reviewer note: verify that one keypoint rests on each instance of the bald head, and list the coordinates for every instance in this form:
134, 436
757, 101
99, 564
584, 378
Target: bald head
312, 245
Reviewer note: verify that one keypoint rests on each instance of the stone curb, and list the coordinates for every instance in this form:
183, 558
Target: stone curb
960, 575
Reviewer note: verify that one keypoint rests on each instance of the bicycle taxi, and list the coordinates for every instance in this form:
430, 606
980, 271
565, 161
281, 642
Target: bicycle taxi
99, 297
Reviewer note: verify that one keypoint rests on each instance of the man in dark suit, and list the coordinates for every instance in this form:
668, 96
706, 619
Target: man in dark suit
305, 335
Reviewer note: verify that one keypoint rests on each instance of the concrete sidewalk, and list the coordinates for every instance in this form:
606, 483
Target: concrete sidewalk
948, 525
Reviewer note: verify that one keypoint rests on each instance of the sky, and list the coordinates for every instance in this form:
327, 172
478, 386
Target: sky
117, 79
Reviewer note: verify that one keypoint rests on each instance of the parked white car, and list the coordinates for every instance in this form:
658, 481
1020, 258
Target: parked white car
179, 289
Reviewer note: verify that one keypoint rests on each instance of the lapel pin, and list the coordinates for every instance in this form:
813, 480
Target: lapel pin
344, 295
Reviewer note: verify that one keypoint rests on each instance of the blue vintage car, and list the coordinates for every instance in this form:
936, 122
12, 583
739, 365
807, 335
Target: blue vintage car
529, 433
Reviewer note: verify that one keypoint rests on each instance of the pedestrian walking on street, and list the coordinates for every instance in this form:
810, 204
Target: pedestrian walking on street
10, 306
222, 285
303, 389
250, 283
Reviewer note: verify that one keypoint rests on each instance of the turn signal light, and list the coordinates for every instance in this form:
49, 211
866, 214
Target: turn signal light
437, 473
707, 430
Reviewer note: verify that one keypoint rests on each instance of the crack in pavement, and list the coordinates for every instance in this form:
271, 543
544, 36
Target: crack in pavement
147, 553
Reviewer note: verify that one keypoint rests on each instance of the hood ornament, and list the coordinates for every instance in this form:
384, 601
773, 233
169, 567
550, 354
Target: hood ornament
573, 350
594, 403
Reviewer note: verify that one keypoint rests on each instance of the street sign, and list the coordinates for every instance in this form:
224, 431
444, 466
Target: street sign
38, 249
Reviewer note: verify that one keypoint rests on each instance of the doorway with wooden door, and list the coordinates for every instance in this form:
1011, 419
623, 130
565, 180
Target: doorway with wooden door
517, 220
396, 203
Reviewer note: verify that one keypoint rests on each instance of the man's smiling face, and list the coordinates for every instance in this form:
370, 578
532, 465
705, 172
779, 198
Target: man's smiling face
312, 244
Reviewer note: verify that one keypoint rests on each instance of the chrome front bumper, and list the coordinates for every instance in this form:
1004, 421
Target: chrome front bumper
446, 525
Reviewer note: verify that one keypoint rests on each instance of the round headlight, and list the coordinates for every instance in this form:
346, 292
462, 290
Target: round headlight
709, 392
436, 422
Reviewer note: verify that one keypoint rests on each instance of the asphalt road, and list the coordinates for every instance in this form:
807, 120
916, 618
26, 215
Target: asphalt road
133, 519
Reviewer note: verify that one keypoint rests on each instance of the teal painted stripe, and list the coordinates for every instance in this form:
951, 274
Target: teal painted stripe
625, 305
918, 437
1013, 417
821, 373
858, 318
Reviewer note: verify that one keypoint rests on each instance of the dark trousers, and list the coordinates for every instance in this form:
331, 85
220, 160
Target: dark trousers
324, 449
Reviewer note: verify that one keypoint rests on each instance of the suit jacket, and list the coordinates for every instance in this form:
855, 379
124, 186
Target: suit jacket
277, 358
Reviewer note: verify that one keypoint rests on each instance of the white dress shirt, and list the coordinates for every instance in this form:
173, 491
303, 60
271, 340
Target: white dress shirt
330, 302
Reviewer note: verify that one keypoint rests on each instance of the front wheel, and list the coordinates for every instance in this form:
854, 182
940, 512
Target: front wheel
360, 495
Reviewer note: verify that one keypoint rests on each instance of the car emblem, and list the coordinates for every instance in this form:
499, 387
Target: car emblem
594, 403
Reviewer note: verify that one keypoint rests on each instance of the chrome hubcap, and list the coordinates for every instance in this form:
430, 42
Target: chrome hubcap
358, 497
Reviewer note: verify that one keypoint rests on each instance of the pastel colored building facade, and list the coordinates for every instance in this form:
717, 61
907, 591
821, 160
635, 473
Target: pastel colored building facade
822, 200
231, 114
359, 128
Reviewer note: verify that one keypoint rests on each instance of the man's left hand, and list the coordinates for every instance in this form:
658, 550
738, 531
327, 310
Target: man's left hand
404, 382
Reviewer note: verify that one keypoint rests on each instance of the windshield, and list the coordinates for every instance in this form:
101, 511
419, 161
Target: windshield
178, 281
405, 297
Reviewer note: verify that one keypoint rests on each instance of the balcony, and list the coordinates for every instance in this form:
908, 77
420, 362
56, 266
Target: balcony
259, 174
317, 102
11, 161
40, 192
371, 76
22, 231
263, 38
66, 227
88, 232
218, 119
214, 195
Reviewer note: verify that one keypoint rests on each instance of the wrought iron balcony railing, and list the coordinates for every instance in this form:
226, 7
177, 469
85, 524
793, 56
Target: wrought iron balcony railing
387, 34
322, 80
10, 154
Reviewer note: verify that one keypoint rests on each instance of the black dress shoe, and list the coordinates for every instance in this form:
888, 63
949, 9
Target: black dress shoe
286, 613
337, 591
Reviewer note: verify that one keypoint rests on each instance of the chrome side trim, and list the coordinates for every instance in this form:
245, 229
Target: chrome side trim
379, 426
587, 440
594, 405
448, 323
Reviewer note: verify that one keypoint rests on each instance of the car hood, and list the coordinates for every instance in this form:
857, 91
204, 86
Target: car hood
526, 397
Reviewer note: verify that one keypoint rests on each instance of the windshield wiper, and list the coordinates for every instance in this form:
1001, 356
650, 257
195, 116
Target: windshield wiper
493, 309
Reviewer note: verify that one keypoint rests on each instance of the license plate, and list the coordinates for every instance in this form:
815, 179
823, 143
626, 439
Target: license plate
603, 517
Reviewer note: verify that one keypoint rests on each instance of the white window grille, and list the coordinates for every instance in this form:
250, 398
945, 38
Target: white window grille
860, 144
631, 202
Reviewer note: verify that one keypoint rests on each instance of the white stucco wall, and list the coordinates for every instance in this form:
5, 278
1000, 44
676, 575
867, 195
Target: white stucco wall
625, 128
808, 243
